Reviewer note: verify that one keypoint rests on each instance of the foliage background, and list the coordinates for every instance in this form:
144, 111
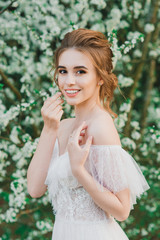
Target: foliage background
29, 33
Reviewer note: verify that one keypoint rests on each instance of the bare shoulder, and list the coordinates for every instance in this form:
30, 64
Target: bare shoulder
103, 130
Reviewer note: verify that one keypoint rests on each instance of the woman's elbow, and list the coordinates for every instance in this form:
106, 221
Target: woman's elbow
36, 194
124, 216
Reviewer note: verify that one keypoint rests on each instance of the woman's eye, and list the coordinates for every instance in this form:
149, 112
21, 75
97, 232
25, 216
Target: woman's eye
81, 72
62, 71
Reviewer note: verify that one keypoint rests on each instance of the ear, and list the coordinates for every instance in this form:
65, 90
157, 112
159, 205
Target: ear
100, 82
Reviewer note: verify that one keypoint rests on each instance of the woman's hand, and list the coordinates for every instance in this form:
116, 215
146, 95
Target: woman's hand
77, 154
52, 112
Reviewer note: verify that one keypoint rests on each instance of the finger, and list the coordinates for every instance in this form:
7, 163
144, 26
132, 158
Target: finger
59, 115
52, 107
79, 129
57, 110
83, 132
76, 133
55, 104
51, 99
54, 97
81, 137
88, 143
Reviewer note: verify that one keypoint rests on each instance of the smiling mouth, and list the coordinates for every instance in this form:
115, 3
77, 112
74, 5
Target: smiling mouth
72, 93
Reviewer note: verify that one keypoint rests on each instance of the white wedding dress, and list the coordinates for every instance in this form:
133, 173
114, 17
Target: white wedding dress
77, 216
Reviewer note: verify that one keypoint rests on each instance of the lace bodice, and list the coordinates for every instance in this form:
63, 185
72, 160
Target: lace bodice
110, 165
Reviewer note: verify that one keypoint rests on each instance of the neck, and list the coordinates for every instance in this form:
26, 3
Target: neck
84, 110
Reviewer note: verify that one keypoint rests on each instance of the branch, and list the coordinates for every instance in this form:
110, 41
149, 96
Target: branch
139, 69
6, 81
6, 8
27, 212
149, 86
9, 140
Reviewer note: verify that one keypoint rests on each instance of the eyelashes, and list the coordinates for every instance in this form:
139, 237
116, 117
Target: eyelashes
81, 71
62, 71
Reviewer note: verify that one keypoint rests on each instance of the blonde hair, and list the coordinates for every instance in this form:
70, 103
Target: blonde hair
97, 47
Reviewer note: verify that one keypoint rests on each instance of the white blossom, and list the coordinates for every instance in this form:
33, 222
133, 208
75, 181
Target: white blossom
19, 173
44, 226
17, 201
137, 7
148, 28
14, 135
135, 125
9, 115
121, 121
98, 27
124, 81
126, 58
137, 53
17, 186
144, 232
74, 17
123, 24
127, 142
100, 3
124, 7
134, 41
153, 53
125, 107
135, 135
113, 23
144, 149
10, 215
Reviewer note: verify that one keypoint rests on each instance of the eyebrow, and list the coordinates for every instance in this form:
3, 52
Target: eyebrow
74, 67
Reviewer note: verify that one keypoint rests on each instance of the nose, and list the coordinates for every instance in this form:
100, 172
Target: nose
70, 79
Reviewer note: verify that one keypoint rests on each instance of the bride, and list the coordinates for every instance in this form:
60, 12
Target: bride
92, 181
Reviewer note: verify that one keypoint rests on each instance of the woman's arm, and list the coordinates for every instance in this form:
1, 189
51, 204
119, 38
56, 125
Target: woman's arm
39, 164
38, 168
118, 205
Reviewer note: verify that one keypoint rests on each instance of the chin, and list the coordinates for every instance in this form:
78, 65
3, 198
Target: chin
71, 103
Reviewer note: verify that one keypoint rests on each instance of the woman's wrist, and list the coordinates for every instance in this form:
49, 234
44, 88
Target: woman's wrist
49, 133
49, 130
79, 173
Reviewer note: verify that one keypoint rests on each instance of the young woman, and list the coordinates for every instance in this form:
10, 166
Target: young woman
92, 181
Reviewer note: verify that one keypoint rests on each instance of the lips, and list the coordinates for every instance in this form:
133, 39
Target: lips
70, 89
72, 92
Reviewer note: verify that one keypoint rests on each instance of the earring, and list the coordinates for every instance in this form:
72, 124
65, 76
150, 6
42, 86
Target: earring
99, 84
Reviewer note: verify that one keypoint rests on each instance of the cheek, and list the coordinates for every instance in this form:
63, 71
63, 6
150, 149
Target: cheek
90, 82
60, 82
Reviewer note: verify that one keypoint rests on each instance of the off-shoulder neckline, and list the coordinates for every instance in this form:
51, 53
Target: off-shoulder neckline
92, 146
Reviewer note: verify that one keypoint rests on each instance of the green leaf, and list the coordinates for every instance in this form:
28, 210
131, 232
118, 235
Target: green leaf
36, 91
1, 86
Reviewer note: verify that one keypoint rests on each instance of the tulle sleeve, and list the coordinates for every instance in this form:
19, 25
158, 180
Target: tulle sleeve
115, 169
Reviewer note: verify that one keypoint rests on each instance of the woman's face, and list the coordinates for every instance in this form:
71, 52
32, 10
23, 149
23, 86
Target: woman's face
77, 77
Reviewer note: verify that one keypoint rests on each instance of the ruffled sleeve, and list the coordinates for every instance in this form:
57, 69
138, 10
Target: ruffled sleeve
115, 169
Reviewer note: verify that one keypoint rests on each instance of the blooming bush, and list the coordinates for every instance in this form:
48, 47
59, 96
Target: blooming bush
30, 31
